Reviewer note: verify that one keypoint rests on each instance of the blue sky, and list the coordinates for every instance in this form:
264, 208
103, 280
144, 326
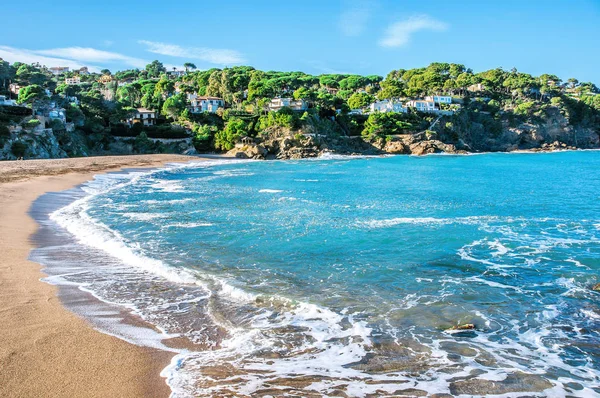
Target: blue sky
327, 36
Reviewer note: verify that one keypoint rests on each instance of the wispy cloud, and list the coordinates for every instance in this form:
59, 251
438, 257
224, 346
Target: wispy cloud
72, 57
211, 55
87, 54
12, 55
354, 19
399, 34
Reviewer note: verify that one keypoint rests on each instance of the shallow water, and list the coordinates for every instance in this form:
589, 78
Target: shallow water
340, 277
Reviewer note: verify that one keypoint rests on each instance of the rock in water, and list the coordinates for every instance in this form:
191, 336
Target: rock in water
596, 287
461, 328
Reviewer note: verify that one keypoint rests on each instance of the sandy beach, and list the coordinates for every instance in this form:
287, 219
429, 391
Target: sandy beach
45, 350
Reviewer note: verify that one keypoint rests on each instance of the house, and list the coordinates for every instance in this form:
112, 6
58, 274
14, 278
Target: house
205, 103
73, 80
14, 88
6, 101
439, 99
422, 105
142, 115
83, 71
174, 74
476, 88
387, 106
296, 105
105, 79
125, 82
57, 70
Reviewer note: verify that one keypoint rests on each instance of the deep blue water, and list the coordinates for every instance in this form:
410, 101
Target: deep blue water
350, 271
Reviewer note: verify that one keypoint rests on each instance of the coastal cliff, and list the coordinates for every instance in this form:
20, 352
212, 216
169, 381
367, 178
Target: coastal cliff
468, 131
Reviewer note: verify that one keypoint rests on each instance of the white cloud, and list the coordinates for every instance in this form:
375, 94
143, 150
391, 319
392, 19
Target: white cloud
399, 34
87, 54
72, 57
211, 55
12, 55
354, 19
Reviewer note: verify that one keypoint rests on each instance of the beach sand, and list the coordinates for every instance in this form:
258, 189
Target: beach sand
46, 350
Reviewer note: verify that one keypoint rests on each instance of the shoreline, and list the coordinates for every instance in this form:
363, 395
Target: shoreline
45, 348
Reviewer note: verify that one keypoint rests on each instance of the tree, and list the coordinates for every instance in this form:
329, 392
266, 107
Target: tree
155, 68
174, 106
360, 100
31, 95
105, 72
234, 130
188, 66
382, 124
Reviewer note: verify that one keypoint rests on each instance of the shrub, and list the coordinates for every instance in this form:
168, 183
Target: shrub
18, 149
234, 130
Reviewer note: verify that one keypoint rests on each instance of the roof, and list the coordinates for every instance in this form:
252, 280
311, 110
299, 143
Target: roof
208, 98
144, 110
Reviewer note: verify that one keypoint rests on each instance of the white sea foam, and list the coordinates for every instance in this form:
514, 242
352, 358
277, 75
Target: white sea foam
143, 216
270, 191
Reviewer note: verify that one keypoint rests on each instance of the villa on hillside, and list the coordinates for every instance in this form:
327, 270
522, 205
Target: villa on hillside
476, 87
57, 70
73, 80
142, 115
387, 106
14, 88
439, 99
174, 74
422, 105
296, 105
105, 79
125, 82
205, 104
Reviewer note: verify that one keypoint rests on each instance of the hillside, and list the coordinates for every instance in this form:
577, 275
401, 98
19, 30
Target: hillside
266, 114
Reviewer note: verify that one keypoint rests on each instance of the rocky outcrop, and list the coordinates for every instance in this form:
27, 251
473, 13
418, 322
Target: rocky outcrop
37, 144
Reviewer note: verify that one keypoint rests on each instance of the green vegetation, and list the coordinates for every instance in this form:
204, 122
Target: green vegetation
486, 102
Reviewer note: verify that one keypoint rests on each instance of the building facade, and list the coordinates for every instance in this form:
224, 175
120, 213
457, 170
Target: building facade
73, 80
205, 104
387, 106
296, 105
422, 105
144, 116
440, 99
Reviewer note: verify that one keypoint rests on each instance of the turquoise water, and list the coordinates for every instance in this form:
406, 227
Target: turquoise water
345, 274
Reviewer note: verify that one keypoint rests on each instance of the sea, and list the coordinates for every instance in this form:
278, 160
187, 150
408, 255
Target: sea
343, 276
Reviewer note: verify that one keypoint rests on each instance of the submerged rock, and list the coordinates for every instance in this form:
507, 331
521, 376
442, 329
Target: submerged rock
514, 383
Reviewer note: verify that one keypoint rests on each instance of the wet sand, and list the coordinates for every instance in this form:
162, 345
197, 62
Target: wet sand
46, 350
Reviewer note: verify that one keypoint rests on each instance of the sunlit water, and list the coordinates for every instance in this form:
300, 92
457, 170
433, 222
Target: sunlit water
340, 277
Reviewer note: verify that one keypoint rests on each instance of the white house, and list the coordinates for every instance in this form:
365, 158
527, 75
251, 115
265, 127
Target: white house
57, 70
439, 99
205, 103
476, 87
142, 115
422, 105
387, 106
173, 74
14, 88
296, 105
6, 101
73, 80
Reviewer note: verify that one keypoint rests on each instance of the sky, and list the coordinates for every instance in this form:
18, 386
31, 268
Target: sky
560, 37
